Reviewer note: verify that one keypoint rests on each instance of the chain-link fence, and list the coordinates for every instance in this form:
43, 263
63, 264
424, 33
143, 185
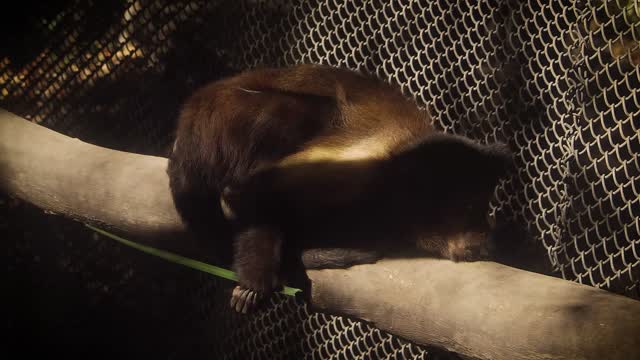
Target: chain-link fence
556, 79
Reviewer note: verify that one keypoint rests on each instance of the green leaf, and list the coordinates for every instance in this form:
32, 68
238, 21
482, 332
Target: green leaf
185, 261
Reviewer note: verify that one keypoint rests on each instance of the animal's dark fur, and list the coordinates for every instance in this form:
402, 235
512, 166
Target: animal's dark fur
316, 157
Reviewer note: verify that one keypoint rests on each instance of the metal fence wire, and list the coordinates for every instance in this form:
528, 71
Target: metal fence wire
556, 79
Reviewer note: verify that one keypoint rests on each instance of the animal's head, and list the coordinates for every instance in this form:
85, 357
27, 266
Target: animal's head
455, 179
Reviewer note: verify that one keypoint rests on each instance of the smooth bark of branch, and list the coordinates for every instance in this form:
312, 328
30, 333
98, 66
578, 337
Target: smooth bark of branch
83, 181
483, 309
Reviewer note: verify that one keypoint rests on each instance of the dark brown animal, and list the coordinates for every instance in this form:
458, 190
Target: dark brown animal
330, 164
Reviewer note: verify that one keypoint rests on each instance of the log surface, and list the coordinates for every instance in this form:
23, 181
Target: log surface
482, 310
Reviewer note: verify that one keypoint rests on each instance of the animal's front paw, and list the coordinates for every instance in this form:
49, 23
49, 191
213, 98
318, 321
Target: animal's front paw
245, 300
253, 290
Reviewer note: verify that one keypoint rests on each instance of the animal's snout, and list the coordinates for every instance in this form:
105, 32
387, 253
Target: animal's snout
470, 246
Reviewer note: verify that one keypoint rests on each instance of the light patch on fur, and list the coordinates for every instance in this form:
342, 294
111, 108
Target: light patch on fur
374, 147
228, 213
249, 91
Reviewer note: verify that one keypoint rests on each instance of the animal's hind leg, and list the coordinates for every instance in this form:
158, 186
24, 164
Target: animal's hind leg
257, 263
193, 198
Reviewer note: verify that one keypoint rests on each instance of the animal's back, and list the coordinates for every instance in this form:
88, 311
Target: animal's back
323, 154
233, 127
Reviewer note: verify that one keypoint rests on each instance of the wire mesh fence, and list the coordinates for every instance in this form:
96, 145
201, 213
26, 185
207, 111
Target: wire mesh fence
556, 79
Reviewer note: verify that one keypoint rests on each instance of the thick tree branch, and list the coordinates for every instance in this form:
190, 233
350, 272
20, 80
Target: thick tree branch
84, 181
483, 309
